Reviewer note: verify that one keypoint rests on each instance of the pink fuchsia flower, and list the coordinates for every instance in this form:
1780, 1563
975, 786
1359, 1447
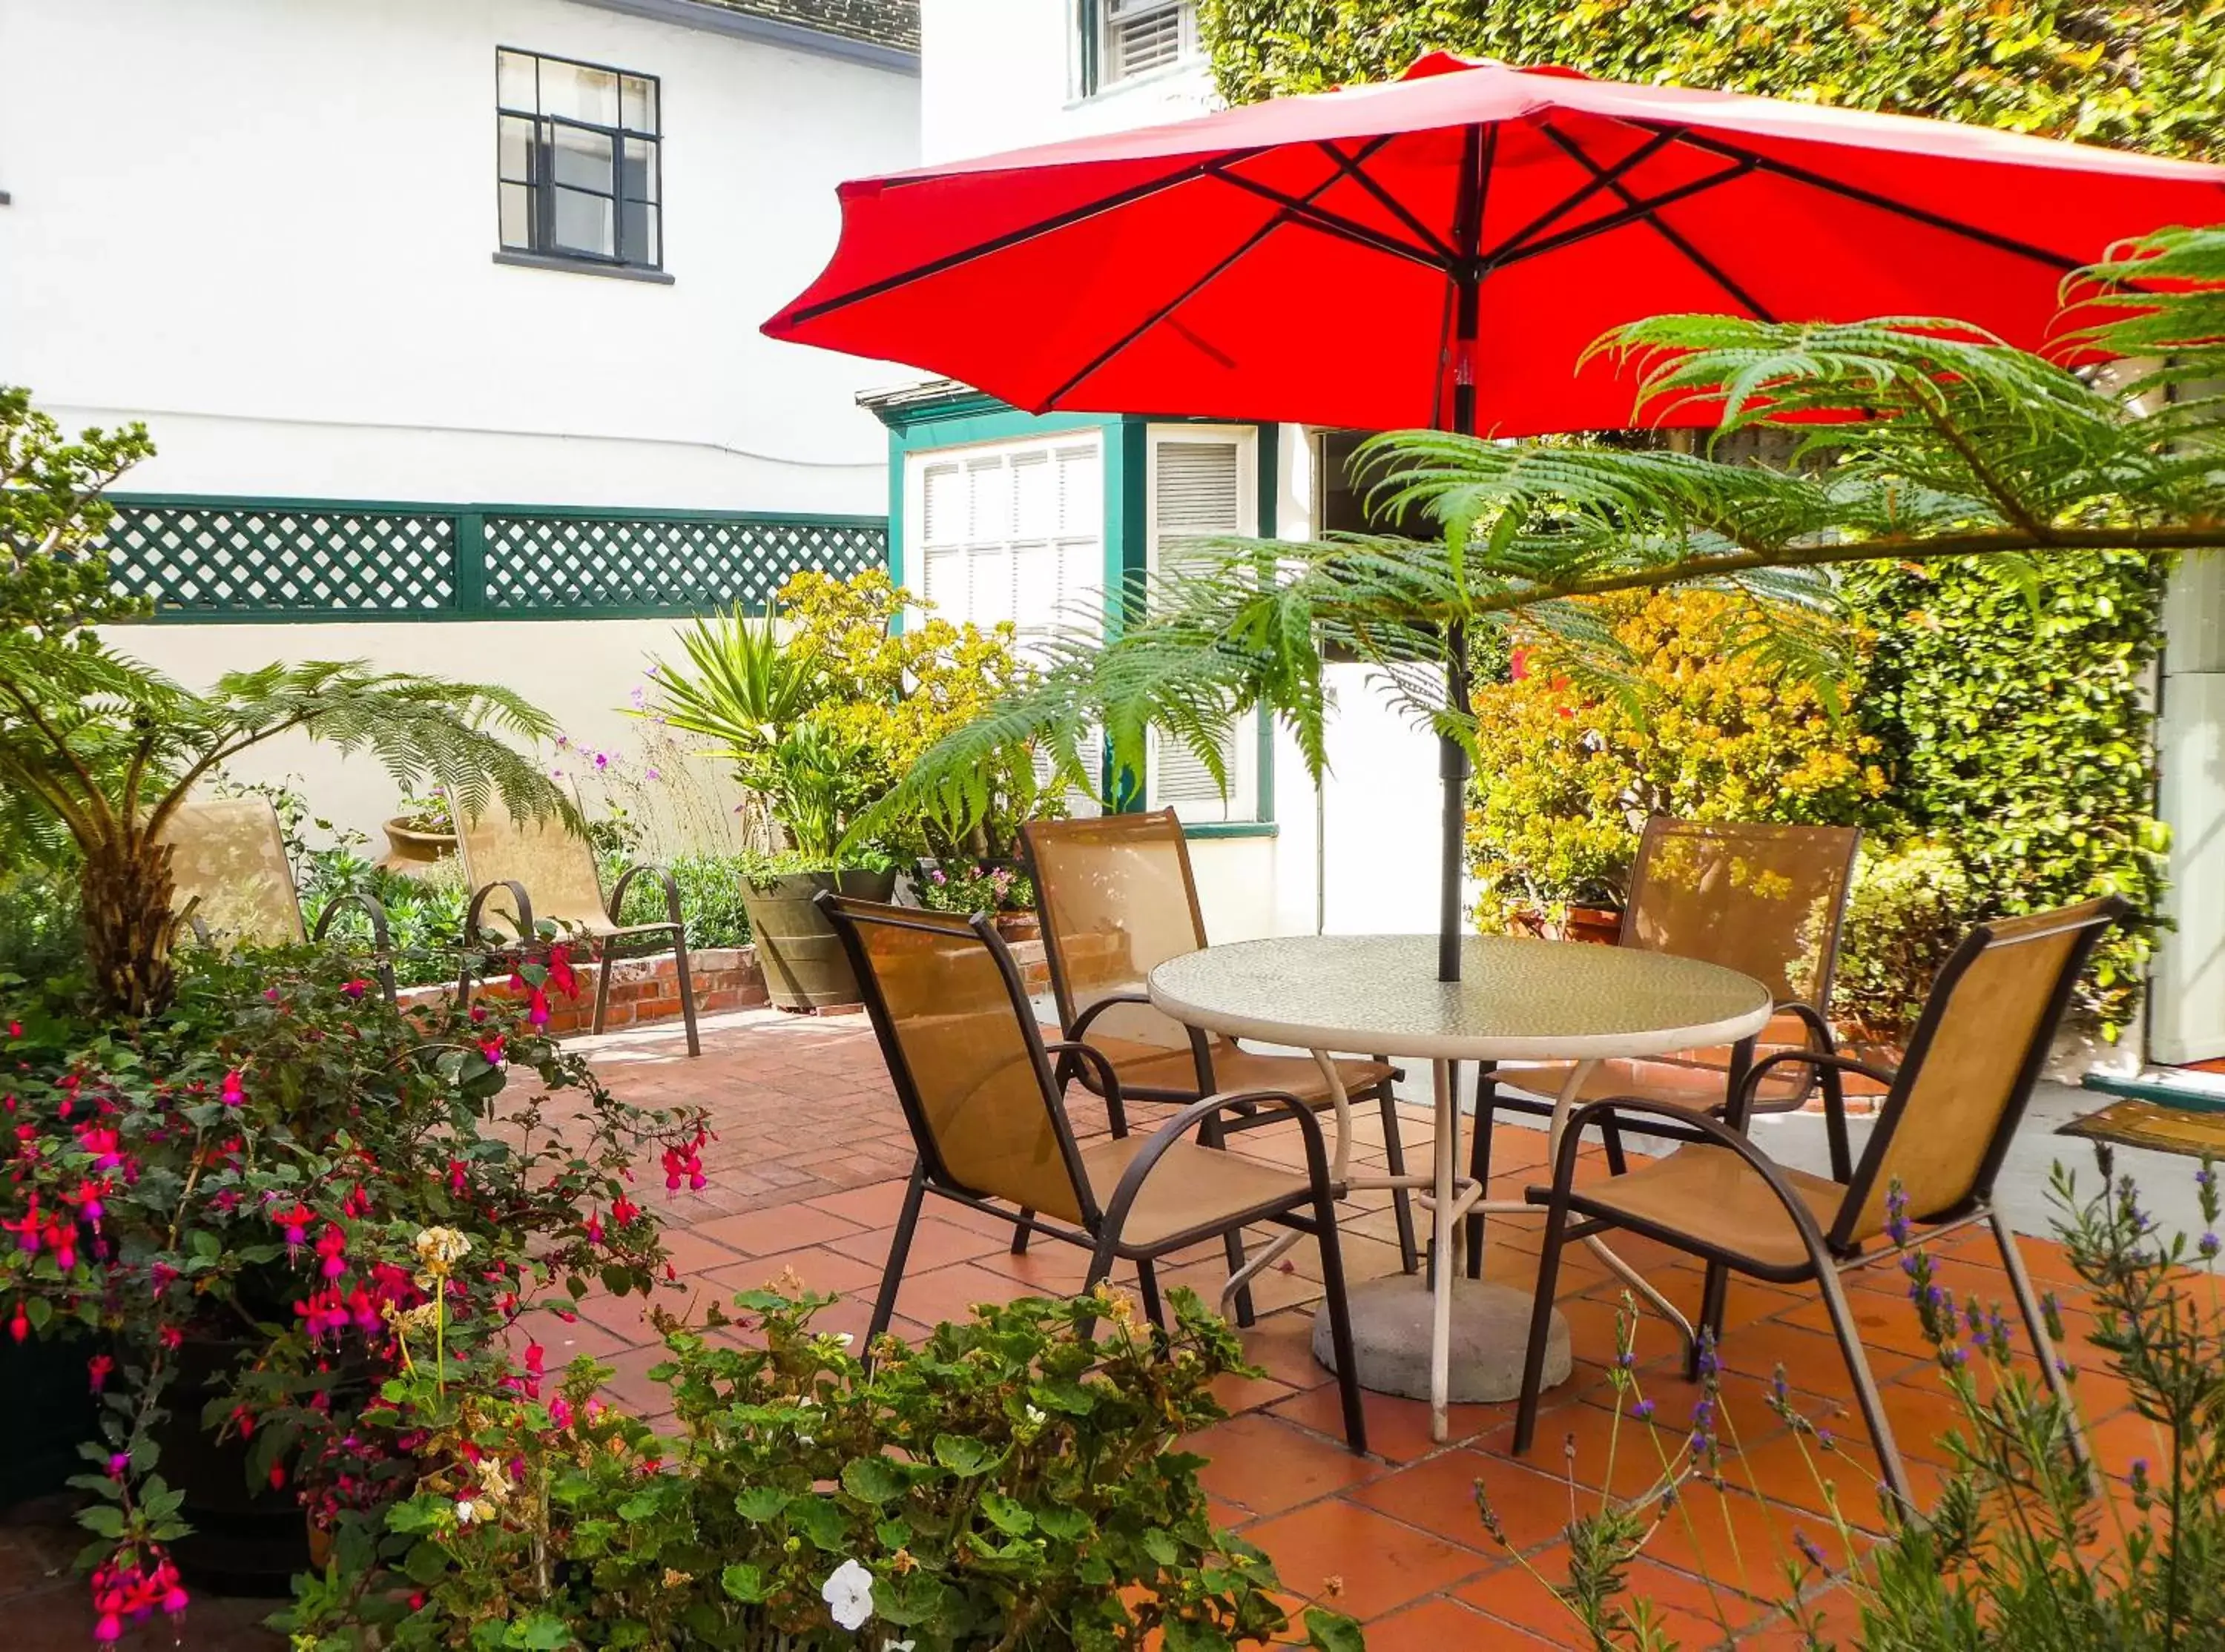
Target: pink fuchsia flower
14, 1029
354, 989
108, 1629
561, 975
457, 1175
331, 1246
97, 1369
294, 1225
171, 1337
493, 1049
235, 1090
19, 1327
594, 1226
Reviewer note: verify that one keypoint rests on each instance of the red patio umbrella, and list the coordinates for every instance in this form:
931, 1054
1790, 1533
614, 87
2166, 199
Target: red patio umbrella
1439, 250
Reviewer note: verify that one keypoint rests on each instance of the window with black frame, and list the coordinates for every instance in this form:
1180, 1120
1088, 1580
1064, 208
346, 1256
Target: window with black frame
580, 162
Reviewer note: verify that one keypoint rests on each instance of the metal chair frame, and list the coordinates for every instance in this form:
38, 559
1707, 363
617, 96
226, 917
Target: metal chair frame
476, 935
1075, 1026
1101, 1230
1837, 1251
1813, 1017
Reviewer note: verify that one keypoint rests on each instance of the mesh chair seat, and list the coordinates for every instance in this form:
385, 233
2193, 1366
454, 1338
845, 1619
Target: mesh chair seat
1712, 1194
1154, 1072
1192, 1192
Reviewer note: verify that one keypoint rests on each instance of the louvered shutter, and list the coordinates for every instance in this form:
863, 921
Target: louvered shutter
1141, 36
1199, 488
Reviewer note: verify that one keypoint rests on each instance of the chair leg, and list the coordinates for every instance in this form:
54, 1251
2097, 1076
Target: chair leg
1714, 1302
2043, 1346
1865, 1389
1479, 1159
1541, 1325
1211, 1134
885, 1305
687, 991
1022, 1235
1402, 1200
602, 986
1340, 1322
1147, 1284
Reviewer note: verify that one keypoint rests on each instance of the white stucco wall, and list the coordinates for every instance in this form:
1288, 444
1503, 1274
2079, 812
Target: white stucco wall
998, 75
266, 226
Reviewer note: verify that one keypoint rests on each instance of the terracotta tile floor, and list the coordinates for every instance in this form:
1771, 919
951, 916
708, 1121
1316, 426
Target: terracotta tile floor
806, 1177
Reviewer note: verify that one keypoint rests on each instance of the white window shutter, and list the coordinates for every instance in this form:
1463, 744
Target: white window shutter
1198, 485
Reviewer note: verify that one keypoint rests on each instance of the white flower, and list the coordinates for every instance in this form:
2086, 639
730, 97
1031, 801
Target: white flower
849, 1592
843, 1338
898, 1646
464, 1510
1036, 1415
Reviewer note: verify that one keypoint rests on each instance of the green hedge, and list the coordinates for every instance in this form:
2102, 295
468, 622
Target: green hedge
2022, 739
2140, 74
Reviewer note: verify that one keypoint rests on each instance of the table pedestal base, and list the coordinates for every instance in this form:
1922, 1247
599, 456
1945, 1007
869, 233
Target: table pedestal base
1391, 1322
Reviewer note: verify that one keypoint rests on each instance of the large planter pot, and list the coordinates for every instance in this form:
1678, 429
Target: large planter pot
247, 1539
803, 958
413, 852
1599, 925
49, 1411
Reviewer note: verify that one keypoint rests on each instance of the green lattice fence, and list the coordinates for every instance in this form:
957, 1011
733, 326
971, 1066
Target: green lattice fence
247, 559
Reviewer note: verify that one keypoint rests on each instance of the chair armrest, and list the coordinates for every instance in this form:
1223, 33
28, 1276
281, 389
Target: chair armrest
662, 876
1200, 1053
382, 933
1717, 1133
1811, 1019
1187, 1120
522, 903
1830, 1065
1069, 1049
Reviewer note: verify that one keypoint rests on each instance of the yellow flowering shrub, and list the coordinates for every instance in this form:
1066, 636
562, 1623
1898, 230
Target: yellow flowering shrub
1568, 773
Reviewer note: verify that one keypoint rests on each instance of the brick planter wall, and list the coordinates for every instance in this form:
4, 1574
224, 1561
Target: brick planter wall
646, 990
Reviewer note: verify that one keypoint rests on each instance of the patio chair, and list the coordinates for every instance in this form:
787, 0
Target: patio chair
1766, 901
525, 872
228, 869
1116, 899
988, 1114
1950, 1114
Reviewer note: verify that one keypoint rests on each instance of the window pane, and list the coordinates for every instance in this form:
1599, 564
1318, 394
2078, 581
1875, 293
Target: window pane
640, 179
517, 216
578, 93
513, 81
640, 106
583, 224
641, 237
581, 159
516, 150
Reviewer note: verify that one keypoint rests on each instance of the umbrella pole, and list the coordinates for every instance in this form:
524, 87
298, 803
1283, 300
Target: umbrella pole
1452, 757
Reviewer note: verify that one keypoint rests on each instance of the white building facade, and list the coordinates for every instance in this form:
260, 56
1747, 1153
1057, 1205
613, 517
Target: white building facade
996, 514
446, 310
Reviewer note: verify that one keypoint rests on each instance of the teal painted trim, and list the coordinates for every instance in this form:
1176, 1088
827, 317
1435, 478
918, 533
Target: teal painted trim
1231, 829
470, 563
2181, 1097
1127, 557
1270, 461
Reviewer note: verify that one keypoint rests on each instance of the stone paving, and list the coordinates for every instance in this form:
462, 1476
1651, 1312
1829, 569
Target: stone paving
806, 1177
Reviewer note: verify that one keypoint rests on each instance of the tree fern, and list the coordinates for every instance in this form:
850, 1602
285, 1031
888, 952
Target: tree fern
1915, 440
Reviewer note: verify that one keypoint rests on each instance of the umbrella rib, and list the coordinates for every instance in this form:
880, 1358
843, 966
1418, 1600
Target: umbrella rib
1668, 233
1637, 157
1328, 223
995, 245
1193, 288
1636, 212
1872, 198
1354, 167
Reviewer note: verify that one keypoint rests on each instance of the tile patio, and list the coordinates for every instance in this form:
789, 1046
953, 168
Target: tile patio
806, 1178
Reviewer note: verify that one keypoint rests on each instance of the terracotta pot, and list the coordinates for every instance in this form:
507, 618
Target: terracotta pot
413, 852
1601, 925
1020, 926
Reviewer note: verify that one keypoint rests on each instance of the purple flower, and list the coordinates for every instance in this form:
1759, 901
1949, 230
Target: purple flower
2207, 1246
1643, 1410
1809, 1551
651, 774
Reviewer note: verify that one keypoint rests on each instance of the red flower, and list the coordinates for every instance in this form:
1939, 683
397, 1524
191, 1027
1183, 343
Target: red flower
97, 1369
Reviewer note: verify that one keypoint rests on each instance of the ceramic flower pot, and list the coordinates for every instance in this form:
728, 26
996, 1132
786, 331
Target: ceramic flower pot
804, 966
412, 852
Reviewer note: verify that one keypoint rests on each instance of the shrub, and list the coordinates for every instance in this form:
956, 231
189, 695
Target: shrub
1908, 909
1567, 772
1016, 1482
253, 1167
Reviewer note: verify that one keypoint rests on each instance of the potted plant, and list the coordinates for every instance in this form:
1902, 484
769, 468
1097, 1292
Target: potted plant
421, 835
230, 1192
1000, 889
1017, 1482
821, 709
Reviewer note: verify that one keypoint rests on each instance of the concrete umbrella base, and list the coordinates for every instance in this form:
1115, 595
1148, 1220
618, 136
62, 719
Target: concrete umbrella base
1391, 1324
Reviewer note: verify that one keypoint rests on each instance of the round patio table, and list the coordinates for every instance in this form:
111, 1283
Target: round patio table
1517, 1000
